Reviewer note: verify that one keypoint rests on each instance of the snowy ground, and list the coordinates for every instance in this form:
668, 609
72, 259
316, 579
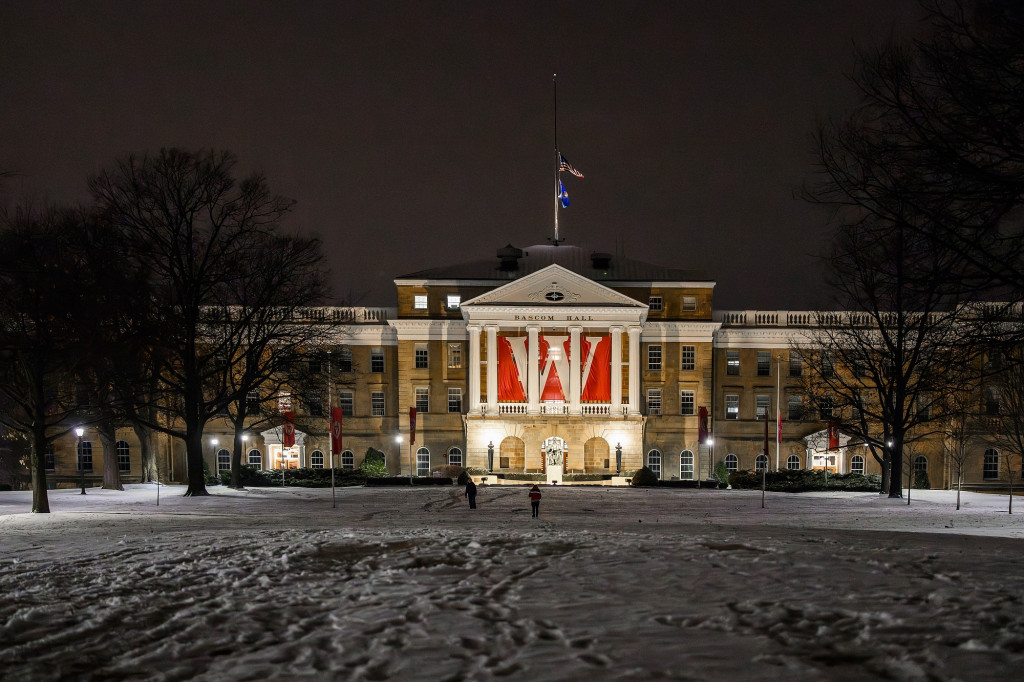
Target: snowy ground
411, 584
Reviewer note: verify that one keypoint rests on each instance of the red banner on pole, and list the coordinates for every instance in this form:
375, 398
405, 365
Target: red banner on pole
336, 415
289, 430
702, 425
833, 434
412, 425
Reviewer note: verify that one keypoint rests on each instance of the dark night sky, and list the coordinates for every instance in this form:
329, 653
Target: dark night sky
418, 134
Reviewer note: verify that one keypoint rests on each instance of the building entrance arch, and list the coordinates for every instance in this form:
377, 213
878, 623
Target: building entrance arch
555, 451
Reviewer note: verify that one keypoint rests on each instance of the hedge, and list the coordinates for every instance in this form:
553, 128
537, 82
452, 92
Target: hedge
803, 480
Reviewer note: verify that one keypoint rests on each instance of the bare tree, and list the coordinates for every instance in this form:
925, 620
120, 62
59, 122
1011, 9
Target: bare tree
199, 232
960, 429
1008, 436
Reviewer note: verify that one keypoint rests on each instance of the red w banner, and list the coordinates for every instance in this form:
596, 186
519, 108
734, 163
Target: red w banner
412, 425
336, 415
833, 434
289, 430
597, 369
551, 356
510, 383
702, 425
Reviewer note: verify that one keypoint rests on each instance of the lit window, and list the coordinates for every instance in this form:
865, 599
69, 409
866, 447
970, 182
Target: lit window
419, 302
764, 363
422, 356
732, 362
284, 402
377, 403
223, 460
377, 360
345, 403
686, 403
654, 401
689, 304
455, 400
255, 459
253, 398
348, 460
85, 456
454, 301
732, 407
124, 460
857, 464
793, 462
686, 465
761, 462
688, 357
654, 302
796, 364
764, 406
654, 357
654, 462
345, 359
732, 462
455, 457
454, 356
422, 399
316, 460
422, 462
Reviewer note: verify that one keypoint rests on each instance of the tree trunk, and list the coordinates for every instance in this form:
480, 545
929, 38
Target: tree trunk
885, 476
111, 470
145, 436
194, 462
896, 474
959, 485
236, 456
40, 500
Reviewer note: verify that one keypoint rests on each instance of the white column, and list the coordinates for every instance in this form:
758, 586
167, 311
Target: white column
575, 369
616, 410
634, 371
492, 369
533, 369
474, 368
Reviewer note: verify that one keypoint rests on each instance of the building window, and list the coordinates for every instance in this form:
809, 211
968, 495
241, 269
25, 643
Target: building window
732, 462
422, 399
825, 407
345, 403
454, 356
991, 466
732, 407
454, 400
85, 455
315, 404
124, 459
316, 460
795, 408
793, 462
49, 458
654, 302
761, 462
686, 465
421, 356
764, 363
796, 364
454, 301
284, 402
654, 462
924, 406
419, 301
654, 401
654, 357
992, 407
856, 464
345, 359
377, 361
828, 366
686, 403
255, 459
455, 457
689, 304
422, 462
223, 460
764, 406
920, 464
348, 460
253, 400
732, 362
377, 404
688, 358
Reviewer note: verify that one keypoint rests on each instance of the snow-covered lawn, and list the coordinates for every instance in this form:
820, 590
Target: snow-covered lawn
411, 584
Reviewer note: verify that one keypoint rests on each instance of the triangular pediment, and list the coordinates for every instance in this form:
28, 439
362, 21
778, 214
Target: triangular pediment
818, 441
554, 286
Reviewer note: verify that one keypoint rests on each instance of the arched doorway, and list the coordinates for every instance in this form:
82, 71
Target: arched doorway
512, 454
596, 455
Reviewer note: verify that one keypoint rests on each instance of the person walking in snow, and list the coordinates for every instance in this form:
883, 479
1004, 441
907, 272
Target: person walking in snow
535, 501
471, 493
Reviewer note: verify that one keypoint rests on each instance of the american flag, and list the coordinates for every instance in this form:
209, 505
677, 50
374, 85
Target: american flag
564, 165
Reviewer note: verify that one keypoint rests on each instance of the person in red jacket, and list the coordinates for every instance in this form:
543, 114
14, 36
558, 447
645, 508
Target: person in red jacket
535, 500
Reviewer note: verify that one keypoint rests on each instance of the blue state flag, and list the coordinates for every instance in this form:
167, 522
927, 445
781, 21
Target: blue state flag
563, 194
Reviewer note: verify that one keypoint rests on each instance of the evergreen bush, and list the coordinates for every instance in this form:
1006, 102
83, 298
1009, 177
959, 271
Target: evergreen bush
373, 464
721, 473
644, 477
803, 480
921, 481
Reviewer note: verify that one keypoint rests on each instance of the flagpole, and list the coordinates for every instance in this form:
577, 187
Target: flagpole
554, 100
330, 427
778, 408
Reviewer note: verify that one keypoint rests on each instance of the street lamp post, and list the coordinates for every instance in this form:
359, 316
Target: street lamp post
81, 465
398, 441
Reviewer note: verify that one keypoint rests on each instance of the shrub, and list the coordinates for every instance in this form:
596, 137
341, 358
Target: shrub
921, 481
519, 476
449, 471
721, 473
300, 478
463, 478
208, 476
803, 480
644, 477
373, 464
587, 477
